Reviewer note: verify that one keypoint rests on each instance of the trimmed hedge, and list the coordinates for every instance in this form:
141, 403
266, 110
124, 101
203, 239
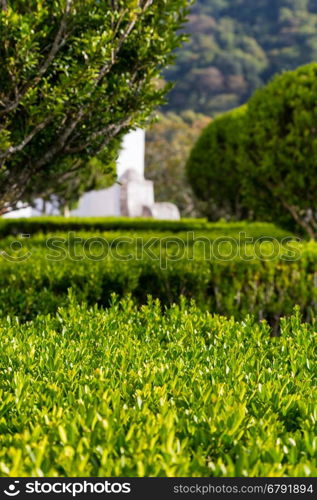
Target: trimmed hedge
128, 392
48, 225
259, 161
244, 284
52, 224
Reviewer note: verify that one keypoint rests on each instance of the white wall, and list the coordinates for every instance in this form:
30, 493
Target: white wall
132, 153
102, 203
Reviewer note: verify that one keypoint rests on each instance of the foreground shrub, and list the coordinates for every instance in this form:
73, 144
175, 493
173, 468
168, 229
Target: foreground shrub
128, 392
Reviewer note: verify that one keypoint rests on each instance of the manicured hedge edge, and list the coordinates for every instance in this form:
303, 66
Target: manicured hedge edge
46, 225
52, 224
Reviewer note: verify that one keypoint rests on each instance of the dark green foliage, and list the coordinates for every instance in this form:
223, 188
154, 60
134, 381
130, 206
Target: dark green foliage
279, 164
141, 392
54, 223
234, 270
236, 46
213, 167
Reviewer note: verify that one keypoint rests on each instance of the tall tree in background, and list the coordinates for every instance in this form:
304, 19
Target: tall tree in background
75, 76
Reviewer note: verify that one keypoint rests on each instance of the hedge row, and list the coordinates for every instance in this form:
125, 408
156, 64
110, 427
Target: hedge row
129, 392
55, 223
266, 289
46, 225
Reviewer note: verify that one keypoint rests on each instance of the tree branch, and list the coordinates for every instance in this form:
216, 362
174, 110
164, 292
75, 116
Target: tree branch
16, 183
107, 67
62, 141
16, 149
59, 41
305, 225
109, 131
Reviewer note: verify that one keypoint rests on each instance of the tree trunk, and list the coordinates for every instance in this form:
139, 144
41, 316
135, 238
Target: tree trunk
43, 207
301, 222
3, 211
65, 211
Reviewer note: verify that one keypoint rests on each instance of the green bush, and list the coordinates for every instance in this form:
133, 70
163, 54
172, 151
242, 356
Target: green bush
279, 165
224, 276
48, 225
129, 392
212, 168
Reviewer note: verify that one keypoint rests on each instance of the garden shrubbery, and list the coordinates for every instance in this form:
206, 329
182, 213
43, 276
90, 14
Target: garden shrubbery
263, 156
133, 347
52, 224
130, 386
278, 158
212, 167
221, 272
141, 392
55, 224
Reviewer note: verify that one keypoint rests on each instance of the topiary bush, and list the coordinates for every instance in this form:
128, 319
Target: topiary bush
279, 153
51, 224
212, 167
266, 278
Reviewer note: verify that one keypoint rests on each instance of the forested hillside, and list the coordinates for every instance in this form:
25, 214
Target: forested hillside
236, 46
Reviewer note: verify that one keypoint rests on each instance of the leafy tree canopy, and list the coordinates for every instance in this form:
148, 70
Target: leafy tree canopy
75, 76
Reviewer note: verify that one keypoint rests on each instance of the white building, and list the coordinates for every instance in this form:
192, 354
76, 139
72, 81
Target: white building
131, 196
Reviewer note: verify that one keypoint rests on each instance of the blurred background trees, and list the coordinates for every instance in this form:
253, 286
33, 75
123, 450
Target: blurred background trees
237, 46
213, 167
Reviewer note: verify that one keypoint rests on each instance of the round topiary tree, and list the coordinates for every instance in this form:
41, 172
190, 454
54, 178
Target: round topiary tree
279, 163
212, 167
